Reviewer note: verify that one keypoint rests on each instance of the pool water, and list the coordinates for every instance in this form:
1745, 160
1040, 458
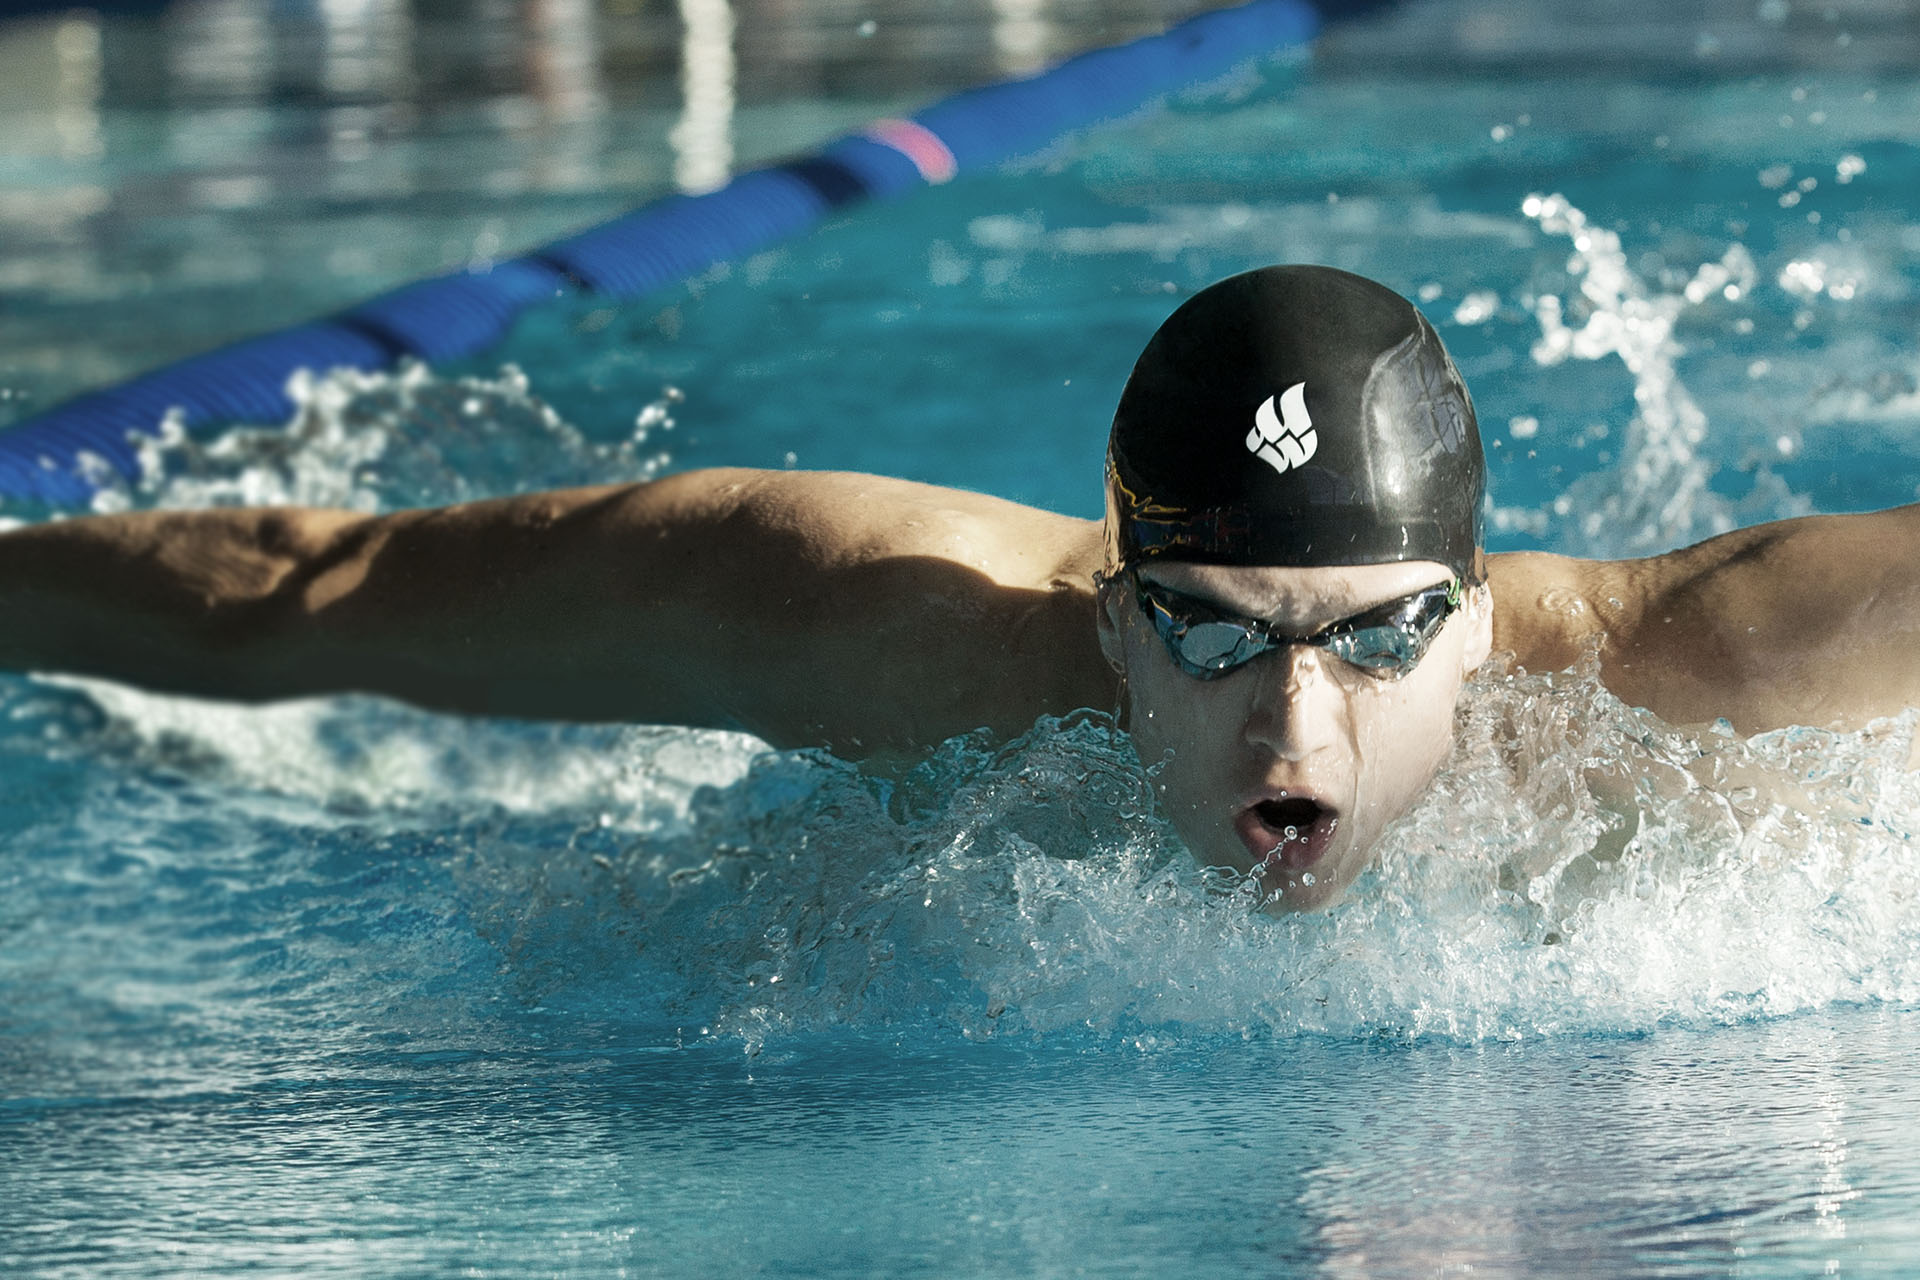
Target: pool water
339, 987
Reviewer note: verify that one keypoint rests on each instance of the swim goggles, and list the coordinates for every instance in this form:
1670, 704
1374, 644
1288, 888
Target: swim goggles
1389, 639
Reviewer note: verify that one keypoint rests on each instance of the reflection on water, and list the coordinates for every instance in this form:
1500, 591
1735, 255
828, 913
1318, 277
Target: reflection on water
1688, 37
219, 49
703, 136
51, 86
563, 63
1022, 35
262, 161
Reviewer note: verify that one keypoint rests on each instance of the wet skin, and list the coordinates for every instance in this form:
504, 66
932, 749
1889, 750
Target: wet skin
870, 615
1295, 741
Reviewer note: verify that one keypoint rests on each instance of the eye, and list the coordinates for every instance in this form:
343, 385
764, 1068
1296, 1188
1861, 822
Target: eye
1386, 650
1217, 646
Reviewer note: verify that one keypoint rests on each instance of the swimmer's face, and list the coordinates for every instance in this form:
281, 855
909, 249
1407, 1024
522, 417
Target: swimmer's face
1294, 763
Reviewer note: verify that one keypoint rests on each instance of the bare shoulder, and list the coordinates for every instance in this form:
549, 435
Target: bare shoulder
1544, 606
1811, 621
837, 518
859, 610
734, 530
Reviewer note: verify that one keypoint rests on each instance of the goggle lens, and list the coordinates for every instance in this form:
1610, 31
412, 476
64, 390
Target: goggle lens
1216, 646
1389, 648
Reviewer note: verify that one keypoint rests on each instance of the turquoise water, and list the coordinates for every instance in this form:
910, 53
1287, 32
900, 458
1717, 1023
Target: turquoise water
341, 988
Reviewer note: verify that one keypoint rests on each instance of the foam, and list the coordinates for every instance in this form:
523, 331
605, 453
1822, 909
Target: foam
1579, 867
377, 441
364, 754
1030, 892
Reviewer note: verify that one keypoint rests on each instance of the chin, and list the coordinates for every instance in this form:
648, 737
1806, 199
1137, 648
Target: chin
1285, 890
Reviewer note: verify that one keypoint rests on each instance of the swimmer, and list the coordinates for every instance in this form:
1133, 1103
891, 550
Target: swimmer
1283, 602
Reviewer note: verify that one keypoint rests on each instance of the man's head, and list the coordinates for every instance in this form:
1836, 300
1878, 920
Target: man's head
1295, 585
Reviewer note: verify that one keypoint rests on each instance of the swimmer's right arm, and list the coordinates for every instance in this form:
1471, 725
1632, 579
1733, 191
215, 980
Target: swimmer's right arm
854, 612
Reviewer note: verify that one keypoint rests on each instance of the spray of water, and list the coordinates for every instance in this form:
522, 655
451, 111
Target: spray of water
1657, 496
375, 441
1579, 867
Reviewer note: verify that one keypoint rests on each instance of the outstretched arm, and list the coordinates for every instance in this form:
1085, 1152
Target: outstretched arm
1814, 621
842, 610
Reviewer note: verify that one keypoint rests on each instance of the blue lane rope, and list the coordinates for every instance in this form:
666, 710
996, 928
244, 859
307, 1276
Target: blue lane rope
464, 312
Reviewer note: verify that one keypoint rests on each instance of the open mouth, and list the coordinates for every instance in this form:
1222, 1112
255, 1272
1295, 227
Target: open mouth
1290, 832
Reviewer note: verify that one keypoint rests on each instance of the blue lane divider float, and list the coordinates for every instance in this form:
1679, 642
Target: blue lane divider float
462, 313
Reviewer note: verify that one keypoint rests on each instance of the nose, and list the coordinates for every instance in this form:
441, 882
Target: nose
1297, 705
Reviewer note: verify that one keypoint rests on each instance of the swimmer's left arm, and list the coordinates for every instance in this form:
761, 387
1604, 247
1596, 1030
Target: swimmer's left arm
1814, 621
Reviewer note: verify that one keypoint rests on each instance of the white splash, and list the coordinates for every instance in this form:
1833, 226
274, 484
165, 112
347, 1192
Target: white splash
1656, 497
375, 441
364, 755
1579, 867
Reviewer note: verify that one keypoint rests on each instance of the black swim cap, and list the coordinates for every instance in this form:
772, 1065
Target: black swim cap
1296, 416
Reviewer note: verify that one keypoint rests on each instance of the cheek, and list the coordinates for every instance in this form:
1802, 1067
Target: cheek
1404, 738
1170, 713
1159, 699
1185, 729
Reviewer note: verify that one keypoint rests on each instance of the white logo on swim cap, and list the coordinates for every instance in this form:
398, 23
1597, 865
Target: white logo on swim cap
1287, 439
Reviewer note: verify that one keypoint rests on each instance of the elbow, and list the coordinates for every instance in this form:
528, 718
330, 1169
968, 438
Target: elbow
262, 629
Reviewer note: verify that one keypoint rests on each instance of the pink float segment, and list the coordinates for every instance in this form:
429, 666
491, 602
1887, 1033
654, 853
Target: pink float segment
919, 144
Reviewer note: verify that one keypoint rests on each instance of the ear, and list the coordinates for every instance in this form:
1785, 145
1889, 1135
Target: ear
1478, 616
1110, 605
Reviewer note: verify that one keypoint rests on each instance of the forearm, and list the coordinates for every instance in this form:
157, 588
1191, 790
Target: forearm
488, 607
172, 601
501, 606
